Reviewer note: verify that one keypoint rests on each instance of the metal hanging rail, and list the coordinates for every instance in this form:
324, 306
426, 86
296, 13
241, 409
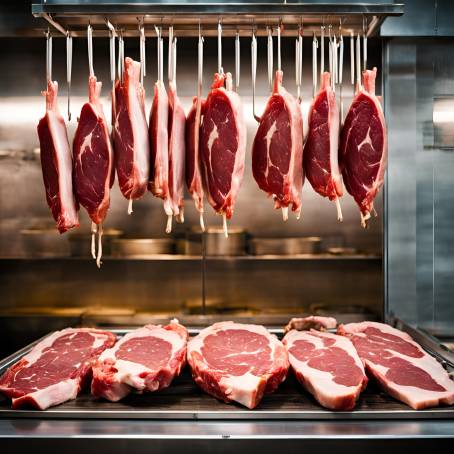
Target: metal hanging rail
237, 17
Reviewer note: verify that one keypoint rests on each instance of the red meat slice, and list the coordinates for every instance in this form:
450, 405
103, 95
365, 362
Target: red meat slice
56, 368
93, 156
321, 162
328, 366
193, 170
132, 149
399, 365
363, 147
177, 151
237, 362
222, 145
56, 163
159, 145
277, 151
146, 359
311, 322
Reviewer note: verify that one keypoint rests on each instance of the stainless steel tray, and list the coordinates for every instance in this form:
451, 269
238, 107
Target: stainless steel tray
185, 400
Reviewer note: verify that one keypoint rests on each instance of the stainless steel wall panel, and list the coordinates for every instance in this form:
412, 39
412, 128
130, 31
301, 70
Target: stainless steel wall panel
420, 215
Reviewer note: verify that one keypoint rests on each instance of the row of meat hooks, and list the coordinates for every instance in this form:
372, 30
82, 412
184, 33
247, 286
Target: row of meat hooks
335, 55
335, 52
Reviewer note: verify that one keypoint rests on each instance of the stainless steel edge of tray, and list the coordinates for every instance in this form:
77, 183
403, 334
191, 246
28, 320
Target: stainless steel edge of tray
184, 400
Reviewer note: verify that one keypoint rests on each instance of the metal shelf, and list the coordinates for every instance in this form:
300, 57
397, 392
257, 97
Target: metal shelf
178, 257
186, 16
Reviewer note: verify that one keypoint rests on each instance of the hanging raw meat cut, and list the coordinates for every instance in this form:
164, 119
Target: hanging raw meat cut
159, 144
321, 162
328, 366
93, 156
56, 163
363, 148
222, 146
193, 171
177, 151
93, 162
400, 365
132, 148
277, 151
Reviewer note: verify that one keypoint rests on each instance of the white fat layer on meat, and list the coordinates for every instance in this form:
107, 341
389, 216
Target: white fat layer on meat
412, 395
322, 381
35, 353
268, 139
85, 147
129, 373
241, 388
59, 135
55, 394
213, 136
141, 148
367, 140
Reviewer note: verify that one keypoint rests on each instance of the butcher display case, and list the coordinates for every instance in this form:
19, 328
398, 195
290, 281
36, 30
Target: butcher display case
399, 270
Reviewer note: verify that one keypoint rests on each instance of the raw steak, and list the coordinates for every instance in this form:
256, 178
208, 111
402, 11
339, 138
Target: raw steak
159, 145
363, 151
146, 359
193, 171
321, 163
56, 163
237, 362
177, 151
93, 156
277, 151
222, 145
132, 149
311, 322
56, 368
328, 366
400, 366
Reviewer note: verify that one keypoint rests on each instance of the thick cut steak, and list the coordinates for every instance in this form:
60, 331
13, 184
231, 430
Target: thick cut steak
147, 359
400, 365
311, 322
177, 151
56, 368
56, 163
363, 150
159, 145
328, 366
277, 151
193, 171
132, 148
237, 362
222, 145
93, 156
321, 162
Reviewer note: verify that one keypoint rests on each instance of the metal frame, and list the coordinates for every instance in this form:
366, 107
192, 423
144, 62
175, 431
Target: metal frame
236, 16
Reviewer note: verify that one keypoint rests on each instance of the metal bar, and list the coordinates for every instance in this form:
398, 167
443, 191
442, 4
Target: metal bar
54, 23
260, 9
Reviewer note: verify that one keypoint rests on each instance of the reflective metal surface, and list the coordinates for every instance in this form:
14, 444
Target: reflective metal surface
420, 199
185, 16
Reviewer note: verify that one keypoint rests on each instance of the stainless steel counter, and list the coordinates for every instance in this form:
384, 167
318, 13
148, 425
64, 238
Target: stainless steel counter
222, 436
